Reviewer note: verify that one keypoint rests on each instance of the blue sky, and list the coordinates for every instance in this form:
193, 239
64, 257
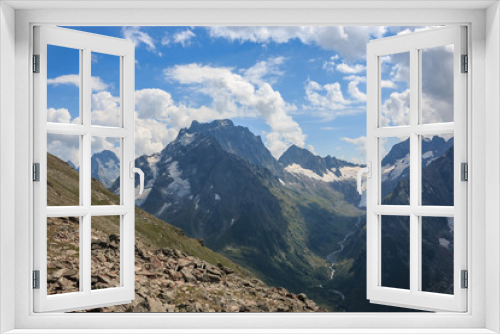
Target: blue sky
290, 85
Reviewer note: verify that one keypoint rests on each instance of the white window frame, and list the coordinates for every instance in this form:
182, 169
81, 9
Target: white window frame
85, 43
375, 210
484, 104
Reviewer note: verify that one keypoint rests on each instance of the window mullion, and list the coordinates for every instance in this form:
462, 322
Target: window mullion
414, 172
85, 176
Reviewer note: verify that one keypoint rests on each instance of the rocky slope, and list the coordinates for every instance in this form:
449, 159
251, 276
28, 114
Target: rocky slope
167, 280
174, 273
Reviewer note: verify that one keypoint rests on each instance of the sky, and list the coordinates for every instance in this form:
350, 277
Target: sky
290, 85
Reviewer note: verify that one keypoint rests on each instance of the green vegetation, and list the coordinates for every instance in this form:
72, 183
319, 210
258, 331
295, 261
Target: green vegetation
62, 189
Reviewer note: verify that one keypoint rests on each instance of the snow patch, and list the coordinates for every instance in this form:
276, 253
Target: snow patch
427, 155
140, 199
392, 172
179, 186
297, 169
162, 209
153, 161
186, 139
349, 173
445, 243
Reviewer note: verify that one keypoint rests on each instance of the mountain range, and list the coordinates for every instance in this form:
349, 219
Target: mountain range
280, 219
173, 273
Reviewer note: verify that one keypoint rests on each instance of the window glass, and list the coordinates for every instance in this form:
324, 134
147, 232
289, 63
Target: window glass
63, 85
395, 89
63, 168
63, 255
437, 84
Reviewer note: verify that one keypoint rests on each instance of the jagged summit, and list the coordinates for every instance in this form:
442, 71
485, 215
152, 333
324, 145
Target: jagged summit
296, 159
237, 140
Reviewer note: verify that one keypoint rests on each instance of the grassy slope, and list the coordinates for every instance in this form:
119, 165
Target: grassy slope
63, 189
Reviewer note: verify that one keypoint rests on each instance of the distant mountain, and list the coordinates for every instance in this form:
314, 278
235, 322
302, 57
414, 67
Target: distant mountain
105, 167
339, 174
437, 241
164, 256
230, 196
395, 165
237, 140
328, 168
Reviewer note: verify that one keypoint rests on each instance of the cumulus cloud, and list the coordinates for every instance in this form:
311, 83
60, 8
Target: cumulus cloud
105, 109
396, 109
345, 68
246, 95
349, 42
60, 115
138, 37
328, 102
437, 84
96, 83
353, 88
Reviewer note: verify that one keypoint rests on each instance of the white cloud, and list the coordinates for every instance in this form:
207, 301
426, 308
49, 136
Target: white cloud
353, 88
65, 147
138, 37
344, 68
184, 37
105, 109
396, 109
265, 71
387, 84
328, 96
360, 145
96, 83
348, 42
437, 84
329, 65
247, 95
166, 39
60, 115
151, 135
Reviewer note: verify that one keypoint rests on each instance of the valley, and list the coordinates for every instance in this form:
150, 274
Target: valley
296, 221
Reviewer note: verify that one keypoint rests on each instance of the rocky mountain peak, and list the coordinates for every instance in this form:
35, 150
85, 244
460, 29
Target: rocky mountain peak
105, 167
237, 140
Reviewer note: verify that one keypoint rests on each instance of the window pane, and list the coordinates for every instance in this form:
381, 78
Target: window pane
63, 85
437, 170
395, 89
63, 165
395, 170
395, 251
437, 254
437, 84
63, 255
105, 170
105, 252
106, 109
